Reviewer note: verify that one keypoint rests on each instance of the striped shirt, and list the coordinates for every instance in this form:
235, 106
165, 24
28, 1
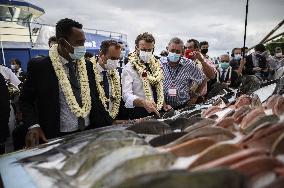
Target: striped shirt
182, 78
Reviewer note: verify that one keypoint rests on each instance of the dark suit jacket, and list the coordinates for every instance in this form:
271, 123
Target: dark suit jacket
4, 110
40, 98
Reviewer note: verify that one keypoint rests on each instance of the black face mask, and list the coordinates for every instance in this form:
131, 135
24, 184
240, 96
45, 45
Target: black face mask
204, 51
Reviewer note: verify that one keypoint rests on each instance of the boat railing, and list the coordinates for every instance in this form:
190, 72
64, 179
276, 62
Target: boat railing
32, 29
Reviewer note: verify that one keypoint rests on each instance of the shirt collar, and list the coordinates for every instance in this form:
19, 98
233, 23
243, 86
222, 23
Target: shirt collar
63, 60
100, 68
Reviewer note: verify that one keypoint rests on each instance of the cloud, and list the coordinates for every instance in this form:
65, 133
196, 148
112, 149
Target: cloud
220, 22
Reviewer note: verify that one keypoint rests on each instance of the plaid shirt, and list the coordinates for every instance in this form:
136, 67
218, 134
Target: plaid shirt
182, 78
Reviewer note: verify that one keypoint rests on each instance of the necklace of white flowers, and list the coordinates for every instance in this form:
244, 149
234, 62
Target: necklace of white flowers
154, 78
115, 96
66, 86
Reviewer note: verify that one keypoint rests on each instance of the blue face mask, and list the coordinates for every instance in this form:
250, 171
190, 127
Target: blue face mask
224, 65
79, 52
237, 57
173, 57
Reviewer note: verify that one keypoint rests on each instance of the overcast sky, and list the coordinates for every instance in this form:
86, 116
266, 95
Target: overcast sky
220, 22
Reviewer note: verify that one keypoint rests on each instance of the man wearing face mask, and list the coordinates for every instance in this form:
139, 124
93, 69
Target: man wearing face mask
259, 62
226, 74
236, 58
60, 95
204, 48
277, 64
108, 84
123, 59
142, 80
192, 51
180, 75
16, 67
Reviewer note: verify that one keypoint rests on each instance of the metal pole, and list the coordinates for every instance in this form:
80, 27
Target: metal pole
31, 40
2, 49
245, 34
272, 31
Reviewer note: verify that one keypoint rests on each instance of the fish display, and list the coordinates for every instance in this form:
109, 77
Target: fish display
227, 141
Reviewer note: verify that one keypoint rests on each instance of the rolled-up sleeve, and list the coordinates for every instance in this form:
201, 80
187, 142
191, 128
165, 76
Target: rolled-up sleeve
127, 88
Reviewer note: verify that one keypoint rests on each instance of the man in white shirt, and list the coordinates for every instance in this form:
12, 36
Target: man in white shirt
141, 79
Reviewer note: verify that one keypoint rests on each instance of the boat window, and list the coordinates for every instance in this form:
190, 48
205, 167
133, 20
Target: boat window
24, 18
6, 13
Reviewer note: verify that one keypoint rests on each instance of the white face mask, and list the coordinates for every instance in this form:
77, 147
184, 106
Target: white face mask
111, 64
79, 52
279, 54
145, 56
13, 67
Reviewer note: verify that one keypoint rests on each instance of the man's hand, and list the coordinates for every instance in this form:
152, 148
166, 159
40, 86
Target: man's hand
256, 69
199, 56
192, 100
243, 62
151, 106
33, 136
167, 107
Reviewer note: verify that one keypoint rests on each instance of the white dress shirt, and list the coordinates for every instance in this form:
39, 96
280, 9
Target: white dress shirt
9, 75
132, 86
100, 70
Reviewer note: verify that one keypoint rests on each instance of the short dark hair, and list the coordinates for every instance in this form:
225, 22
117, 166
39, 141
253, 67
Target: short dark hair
195, 43
17, 62
64, 27
52, 39
260, 48
148, 37
234, 49
203, 43
108, 43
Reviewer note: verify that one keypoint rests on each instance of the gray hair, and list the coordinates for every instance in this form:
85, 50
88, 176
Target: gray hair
176, 40
227, 55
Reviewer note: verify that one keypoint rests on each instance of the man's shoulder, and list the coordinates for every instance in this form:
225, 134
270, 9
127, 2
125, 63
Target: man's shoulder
163, 60
39, 62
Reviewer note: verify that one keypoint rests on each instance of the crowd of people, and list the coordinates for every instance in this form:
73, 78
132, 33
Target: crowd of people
72, 90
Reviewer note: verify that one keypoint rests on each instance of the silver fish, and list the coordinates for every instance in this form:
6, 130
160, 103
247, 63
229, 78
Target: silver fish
110, 162
151, 127
93, 152
134, 167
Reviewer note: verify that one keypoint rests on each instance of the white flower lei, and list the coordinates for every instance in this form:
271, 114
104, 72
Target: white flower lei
155, 79
66, 86
115, 89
